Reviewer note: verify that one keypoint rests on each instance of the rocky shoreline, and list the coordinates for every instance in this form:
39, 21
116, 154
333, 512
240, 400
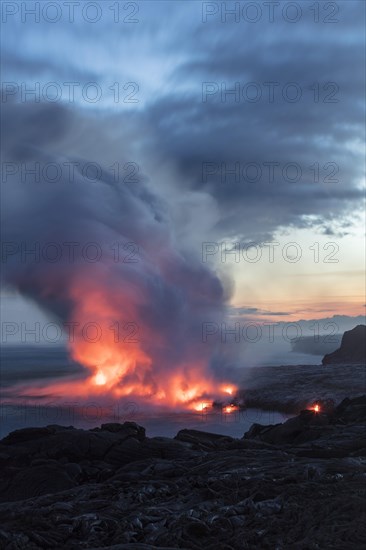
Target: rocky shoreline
291, 388
298, 485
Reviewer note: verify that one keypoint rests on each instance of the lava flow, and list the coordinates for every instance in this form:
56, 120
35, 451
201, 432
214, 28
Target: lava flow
228, 409
131, 374
127, 371
166, 365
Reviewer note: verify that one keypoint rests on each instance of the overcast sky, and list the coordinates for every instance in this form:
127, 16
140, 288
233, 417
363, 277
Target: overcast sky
148, 88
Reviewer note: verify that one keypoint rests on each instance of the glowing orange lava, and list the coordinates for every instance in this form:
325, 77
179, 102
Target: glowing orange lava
202, 407
129, 358
100, 379
228, 389
315, 408
230, 408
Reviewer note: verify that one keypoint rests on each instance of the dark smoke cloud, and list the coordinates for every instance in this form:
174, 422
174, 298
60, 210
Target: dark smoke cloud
166, 291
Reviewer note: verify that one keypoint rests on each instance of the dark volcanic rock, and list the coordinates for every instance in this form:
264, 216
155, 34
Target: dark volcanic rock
74, 445
301, 428
344, 428
127, 428
203, 440
35, 481
38, 461
291, 389
352, 350
298, 485
350, 411
27, 434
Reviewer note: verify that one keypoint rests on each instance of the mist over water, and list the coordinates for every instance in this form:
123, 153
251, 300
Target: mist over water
38, 366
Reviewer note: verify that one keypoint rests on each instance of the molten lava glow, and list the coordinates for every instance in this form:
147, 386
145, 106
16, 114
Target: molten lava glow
100, 379
228, 389
230, 408
315, 408
133, 363
202, 407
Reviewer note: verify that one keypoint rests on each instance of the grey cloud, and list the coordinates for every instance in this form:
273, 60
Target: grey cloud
191, 132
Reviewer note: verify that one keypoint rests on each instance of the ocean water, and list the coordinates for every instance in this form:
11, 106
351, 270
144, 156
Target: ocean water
32, 366
89, 415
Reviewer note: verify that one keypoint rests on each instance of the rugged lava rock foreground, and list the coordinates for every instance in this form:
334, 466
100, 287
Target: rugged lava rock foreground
297, 485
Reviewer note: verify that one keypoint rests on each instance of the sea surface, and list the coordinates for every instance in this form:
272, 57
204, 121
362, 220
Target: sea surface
31, 366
